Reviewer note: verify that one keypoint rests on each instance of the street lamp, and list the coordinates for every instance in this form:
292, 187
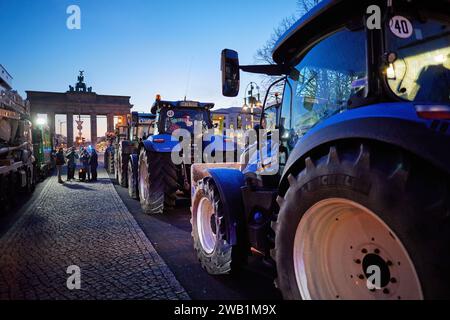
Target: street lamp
41, 121
252, 100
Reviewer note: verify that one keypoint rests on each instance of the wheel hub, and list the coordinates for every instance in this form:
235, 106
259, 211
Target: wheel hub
373, 259
206, 225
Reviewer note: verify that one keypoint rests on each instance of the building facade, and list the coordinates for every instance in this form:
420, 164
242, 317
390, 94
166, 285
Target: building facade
234, 118
79, 100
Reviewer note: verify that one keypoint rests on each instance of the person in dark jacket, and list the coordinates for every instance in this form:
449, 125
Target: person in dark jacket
72, 157
84, 159
93, 163
60, 161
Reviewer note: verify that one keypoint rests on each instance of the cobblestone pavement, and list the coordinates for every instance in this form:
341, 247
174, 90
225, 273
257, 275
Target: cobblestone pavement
83, 224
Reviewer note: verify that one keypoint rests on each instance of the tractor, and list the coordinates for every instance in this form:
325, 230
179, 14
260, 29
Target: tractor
109, 153
359, 207
142, 127
158, 177
130, 133
121, 141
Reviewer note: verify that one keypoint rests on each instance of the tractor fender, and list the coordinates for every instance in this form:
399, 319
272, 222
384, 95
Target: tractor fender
396, 124
229, 183
161, 143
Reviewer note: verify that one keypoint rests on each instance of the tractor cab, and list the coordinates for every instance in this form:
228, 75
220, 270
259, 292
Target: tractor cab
174, 115
346, 58
142, 126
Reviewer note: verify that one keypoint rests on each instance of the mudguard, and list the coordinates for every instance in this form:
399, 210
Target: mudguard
229, 183
392, 123
161, 143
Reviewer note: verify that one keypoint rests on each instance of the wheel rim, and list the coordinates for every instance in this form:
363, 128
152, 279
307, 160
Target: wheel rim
337, 241
205, 219
143, 180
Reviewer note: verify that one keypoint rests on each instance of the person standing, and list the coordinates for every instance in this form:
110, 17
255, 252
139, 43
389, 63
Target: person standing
72, 157
84, 158
60, 161
93, 163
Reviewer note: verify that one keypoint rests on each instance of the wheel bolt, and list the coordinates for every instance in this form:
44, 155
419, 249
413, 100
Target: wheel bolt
357, 261
389, 263
386, 291
361, 277
364, 251
377, 251
393, 280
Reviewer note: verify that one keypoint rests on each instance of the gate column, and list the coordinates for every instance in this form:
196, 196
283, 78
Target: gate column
94, 129
70, 129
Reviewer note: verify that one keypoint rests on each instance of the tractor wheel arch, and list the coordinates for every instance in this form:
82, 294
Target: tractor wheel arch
228, 183
218, 233
412, 136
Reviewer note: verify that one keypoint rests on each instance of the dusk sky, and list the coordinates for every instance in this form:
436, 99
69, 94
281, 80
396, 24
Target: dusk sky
136, 47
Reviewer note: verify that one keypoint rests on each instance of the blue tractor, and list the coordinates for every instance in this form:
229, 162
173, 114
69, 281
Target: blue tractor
158, 177
360, 205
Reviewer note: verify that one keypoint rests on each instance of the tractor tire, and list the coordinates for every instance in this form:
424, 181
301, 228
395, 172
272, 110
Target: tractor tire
122, 169
355, 207
111, 163
157, 182
116, 166
105, 160
29, 188
215, 254
132, 183
13, 190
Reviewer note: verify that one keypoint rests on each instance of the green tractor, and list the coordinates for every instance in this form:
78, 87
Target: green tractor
138, 128
43, 149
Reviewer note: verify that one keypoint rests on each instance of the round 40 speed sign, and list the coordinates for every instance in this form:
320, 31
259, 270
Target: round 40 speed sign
401, 27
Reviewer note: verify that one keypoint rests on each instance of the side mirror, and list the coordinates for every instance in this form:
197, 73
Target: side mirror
230, 73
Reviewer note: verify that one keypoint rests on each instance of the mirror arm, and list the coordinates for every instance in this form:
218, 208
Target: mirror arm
270, 69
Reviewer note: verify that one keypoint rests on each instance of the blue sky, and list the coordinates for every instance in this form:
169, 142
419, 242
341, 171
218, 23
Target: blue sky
136, 47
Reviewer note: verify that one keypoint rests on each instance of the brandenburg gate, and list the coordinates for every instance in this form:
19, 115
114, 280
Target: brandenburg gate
79, 100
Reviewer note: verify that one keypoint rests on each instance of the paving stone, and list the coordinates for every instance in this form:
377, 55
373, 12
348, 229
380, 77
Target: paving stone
88, 225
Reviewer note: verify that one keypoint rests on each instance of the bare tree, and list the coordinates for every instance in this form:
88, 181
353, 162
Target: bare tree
264, 54
304, 6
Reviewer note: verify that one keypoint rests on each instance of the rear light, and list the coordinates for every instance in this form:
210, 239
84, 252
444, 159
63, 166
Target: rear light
433, 112
159, 140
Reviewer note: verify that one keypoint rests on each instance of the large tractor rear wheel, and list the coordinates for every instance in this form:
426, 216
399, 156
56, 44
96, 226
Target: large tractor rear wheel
122, 168
157, 182
208, 222
132, 183
368, 222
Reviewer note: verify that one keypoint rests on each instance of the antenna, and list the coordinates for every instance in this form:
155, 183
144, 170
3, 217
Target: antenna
188, 78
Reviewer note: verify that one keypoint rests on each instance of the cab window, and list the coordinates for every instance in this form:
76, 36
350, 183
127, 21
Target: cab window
332, 73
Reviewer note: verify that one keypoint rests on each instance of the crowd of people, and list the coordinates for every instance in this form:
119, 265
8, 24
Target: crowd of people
88, 159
